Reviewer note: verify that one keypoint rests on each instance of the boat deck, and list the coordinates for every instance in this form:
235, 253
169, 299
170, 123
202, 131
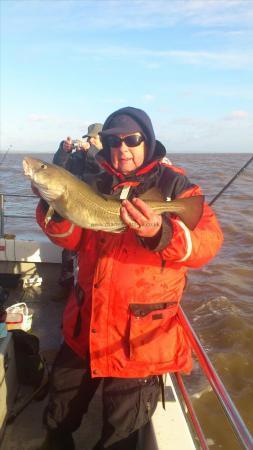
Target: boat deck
168, 429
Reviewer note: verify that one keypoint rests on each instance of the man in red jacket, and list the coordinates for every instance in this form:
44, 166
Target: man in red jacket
120, 324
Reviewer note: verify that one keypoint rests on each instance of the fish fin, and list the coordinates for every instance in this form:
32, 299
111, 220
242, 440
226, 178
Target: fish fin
105, 196
192, 210
49, 215
153, 194
109, 198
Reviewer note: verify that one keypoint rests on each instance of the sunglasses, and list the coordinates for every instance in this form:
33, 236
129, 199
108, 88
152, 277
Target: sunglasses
131, 141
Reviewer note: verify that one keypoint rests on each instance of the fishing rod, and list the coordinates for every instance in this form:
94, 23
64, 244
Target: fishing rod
231, 181
6, 153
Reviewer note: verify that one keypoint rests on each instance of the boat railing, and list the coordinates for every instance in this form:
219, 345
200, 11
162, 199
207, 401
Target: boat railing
236, 422
4, 216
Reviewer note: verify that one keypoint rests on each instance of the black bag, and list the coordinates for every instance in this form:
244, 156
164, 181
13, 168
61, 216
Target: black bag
30, 365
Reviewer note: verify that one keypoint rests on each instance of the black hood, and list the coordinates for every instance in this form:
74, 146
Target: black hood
142, 123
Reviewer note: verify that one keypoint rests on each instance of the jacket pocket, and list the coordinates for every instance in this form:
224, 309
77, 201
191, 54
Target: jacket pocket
155, 335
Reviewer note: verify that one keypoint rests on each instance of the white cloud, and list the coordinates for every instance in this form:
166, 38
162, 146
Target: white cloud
148, 97
39, 117
237, 115
42, 120
152, 65
232, 18
190, 122
225, 59
132, 14
148, 14
206, 135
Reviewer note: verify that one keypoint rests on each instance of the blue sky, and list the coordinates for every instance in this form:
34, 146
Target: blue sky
187, 63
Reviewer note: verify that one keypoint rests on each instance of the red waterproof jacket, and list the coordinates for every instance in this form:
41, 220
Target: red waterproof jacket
122, 312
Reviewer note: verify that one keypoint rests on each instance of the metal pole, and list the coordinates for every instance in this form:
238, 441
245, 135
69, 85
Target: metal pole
239, 427
1, 215
18, 216
21, 195
191, 411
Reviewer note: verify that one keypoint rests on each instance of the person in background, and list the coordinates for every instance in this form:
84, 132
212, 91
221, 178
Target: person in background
80, 162
84, 158
120, 325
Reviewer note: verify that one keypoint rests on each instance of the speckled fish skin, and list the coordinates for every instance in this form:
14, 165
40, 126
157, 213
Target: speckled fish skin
78, 202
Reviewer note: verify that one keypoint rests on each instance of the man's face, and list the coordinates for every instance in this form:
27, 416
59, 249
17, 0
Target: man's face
95, 140
125, 156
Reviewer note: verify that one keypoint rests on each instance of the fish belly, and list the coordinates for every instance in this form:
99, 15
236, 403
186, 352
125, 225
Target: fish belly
90, 216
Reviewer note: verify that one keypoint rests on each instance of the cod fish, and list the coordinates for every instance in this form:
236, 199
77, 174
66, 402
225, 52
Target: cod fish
78, 202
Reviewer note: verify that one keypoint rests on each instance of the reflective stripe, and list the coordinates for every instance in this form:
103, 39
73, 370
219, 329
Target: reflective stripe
166, 160
124, 192
67, 233
188, 241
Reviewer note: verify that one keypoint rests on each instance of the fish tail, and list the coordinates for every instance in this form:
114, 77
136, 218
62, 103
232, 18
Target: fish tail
189, 209
192, 210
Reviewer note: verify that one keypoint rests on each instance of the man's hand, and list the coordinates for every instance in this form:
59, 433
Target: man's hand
67, 145
140, 217
84, 146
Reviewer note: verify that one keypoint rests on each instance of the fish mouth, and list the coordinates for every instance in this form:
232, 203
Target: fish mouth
27, 168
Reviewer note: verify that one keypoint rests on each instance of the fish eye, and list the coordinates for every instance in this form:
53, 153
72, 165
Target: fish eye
43, 166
